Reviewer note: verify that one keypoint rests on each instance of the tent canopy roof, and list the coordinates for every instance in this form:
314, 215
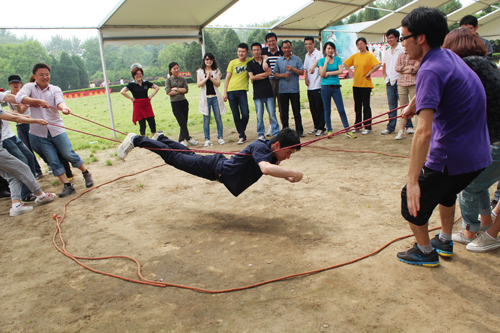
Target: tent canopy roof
134, 22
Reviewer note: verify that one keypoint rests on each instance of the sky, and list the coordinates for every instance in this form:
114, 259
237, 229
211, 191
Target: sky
71, 13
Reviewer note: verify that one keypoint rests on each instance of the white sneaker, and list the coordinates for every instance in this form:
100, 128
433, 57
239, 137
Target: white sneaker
459, 237
385, 132
183, 143
270, 132
312, 132
320, 133
221, 141
49, 197
261, 137
20, 210
126, 146
483, 243
401, 135
192, 142
157, 135
410, 130
364, 132
208, 143
242, 141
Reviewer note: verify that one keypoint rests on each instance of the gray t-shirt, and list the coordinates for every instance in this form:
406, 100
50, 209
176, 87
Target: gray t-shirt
178, 82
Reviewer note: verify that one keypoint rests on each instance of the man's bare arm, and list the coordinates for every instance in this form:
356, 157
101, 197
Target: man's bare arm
269, 169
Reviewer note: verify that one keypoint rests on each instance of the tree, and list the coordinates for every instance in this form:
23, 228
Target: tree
82, 72
257, 36
92, 56
67, 72
228, 50
173, 52
192, 58
371, 14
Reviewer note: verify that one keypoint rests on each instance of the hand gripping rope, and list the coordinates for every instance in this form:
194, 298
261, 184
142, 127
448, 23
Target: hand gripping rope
62, 248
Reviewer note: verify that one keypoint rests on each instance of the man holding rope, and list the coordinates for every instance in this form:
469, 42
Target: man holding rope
451, 104
237, 173
52, 138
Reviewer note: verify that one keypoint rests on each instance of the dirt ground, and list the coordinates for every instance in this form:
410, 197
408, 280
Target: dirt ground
193, 232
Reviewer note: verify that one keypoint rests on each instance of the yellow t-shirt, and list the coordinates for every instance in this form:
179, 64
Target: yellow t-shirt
363, 63
239, 74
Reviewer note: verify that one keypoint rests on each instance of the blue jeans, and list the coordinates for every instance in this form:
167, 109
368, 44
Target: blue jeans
212, 103
475, 198
23, 134
48, 148
392, 98
17, 149
271, 109
327, 93
239, 103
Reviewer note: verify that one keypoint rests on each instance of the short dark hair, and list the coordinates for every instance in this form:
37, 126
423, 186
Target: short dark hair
427, 21
243, 46
287, 137
363, 39
256, 44
40, 65
286, 41
329, 43
270, 35
393, 32
170, 66
135, 70
469, 19
465, 43
311, 38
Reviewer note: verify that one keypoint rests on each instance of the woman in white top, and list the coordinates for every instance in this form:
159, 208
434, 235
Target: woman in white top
209, 80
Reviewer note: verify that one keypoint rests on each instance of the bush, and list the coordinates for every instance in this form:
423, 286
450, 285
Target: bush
496, 57
84, 89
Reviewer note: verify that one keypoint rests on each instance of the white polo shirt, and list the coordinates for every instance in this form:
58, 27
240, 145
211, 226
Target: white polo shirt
314, 79
390, 58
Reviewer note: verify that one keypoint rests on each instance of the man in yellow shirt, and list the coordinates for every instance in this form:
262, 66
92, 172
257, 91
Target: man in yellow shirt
235, 90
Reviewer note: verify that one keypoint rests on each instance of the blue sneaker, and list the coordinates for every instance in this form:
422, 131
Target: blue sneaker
414, 256
444, 249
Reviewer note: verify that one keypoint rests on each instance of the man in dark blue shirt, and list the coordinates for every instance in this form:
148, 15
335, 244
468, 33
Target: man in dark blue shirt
238, 173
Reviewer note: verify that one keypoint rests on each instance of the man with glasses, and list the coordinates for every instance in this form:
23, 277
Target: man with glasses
389, 60
273, 52
451, 145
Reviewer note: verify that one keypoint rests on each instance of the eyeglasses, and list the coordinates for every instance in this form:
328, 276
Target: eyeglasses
208, 59
403, 38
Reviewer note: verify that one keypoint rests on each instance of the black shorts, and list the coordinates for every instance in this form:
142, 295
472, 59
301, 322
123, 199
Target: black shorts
436, 188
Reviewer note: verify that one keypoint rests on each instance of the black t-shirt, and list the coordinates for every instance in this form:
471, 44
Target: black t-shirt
261, 88
139, 91
239, 172
210, 87
272, 57
490, 77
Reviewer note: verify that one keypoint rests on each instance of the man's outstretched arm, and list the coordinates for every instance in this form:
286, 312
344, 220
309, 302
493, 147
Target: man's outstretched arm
269, 169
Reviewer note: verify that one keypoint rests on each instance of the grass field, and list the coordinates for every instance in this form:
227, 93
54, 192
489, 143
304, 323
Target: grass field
95, 108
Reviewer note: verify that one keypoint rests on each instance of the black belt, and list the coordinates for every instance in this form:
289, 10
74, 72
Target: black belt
333, 85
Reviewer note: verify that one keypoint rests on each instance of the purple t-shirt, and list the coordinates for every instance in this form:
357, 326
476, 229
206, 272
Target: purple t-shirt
460, 138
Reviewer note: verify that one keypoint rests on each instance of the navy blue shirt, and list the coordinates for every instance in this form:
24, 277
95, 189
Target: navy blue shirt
240, 172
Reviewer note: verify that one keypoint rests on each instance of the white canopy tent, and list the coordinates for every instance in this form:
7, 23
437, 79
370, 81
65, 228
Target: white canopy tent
489, 25
134, 22
316, 16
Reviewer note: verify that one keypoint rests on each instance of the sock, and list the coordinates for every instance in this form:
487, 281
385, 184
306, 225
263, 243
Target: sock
85, 172
426, 249
444, 237
487, 234
16, 205
41, 196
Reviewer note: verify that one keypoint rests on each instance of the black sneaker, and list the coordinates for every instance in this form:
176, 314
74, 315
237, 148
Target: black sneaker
88, 179
444, 249
416, 257
494, 203
67, 190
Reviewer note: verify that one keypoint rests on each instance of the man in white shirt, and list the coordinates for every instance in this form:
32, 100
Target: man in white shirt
389, 60
313, 83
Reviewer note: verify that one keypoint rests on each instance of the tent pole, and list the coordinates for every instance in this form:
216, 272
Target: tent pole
202, 43
106, 85
321, 41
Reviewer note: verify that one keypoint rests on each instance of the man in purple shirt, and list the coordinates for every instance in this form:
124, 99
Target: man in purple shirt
451, 104
51, 137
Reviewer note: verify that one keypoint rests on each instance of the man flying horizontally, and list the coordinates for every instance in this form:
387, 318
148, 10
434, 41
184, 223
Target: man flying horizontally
237, 173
